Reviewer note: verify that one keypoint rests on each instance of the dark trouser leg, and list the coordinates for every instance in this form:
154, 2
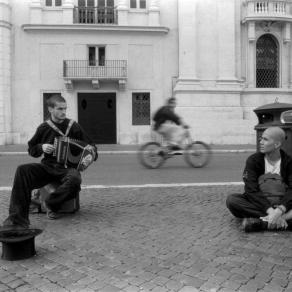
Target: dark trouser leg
27, 177
240, 207
71, 181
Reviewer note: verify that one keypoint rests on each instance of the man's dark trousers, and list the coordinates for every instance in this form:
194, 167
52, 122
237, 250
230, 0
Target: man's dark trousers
241, 207
36, 175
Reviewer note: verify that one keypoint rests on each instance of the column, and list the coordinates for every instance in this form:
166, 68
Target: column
122, 12
226, 41
154, 13
286, 55
5, 73
251, 58
35, 12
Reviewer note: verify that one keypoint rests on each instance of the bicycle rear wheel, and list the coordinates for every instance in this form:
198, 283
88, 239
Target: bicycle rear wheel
151, 155
197, 154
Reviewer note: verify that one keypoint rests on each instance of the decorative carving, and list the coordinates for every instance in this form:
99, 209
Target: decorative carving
69, 84
267, 25
122, 84
95, 83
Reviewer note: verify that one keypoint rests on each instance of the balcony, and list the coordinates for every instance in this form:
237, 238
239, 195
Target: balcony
271, 10
95, 70
95, 15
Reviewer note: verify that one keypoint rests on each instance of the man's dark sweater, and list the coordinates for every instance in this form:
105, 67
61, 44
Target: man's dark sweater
254, 168
45, 134
165, 114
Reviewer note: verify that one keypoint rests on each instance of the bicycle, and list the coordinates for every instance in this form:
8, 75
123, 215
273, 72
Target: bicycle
196, 153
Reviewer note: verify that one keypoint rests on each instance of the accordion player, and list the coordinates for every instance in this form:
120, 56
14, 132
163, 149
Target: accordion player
73, 153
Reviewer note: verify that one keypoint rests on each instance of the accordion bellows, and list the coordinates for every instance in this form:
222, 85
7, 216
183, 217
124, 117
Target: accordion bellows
71, 152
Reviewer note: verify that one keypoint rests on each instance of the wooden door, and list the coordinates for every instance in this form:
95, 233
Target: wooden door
97, 116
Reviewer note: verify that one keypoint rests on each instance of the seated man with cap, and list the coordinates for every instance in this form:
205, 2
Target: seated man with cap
266, 203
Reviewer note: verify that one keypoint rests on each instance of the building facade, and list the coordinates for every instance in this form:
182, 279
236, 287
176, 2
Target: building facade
117, 61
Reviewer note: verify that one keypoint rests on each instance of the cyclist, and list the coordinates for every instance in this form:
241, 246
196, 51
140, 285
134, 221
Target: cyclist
168, 124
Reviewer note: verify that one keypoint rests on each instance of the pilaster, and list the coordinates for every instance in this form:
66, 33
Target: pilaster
187, 39
226, 41
5, 75
251, 55
36, 12
68, 7
123, 10
154, 13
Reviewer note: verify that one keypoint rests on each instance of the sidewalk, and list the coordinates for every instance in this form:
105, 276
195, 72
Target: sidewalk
159, 240
117, 148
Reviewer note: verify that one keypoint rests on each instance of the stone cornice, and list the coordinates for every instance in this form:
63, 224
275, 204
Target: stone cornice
267, 18
93, 27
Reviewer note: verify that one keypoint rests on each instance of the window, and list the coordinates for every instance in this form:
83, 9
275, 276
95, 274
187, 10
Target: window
46, 96
141, 108
51, 3
96, 54
96, 11
141, 4
267, 62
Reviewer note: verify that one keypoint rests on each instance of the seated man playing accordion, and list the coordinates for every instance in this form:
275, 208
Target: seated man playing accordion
36, 175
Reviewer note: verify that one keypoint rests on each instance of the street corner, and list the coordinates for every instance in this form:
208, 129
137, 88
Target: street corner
150, 239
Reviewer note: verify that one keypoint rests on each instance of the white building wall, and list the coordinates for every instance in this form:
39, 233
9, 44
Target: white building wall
206, 58
39, 54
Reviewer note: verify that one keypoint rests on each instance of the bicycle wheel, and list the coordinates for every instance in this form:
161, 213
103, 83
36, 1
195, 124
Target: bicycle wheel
151, 155
197, 154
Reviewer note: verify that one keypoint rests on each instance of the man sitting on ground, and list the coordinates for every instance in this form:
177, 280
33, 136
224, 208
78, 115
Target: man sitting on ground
267, 201
168, 124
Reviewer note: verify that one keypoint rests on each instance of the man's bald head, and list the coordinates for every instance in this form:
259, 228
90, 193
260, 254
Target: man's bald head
276, 133
272, 140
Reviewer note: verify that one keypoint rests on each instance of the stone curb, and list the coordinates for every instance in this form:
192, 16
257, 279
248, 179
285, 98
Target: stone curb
136, 151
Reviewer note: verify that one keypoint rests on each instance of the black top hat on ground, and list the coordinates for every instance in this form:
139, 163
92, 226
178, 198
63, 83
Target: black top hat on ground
18, 244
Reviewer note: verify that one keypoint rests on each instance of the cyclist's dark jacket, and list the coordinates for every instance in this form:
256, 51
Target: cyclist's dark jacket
165, 114
254, 168
46, 135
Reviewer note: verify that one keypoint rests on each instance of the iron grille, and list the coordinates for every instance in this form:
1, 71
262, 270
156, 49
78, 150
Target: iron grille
85, 69
141, 108
267, 68
95, 15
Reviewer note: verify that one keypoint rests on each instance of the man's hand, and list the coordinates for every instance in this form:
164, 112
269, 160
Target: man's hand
92, 150
87, 160
48, 148
273, 217
281, 223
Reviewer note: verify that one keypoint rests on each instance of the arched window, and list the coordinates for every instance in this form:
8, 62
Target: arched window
267, 62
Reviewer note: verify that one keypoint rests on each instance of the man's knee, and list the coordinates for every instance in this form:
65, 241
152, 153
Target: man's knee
233, 204
23, 170
74, 177
231, 200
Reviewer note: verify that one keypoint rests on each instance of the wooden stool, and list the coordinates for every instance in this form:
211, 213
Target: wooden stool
69, 206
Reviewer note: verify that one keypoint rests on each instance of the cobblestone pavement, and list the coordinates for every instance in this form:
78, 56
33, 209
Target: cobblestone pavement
158, 239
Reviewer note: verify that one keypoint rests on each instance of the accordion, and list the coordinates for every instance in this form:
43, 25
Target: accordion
73, 153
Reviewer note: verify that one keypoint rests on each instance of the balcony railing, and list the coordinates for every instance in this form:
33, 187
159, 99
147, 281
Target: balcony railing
269, 7
85, 69
95, 15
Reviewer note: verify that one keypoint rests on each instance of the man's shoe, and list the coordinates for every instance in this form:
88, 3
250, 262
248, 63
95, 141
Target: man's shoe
50, 214
254, 225
9, 225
